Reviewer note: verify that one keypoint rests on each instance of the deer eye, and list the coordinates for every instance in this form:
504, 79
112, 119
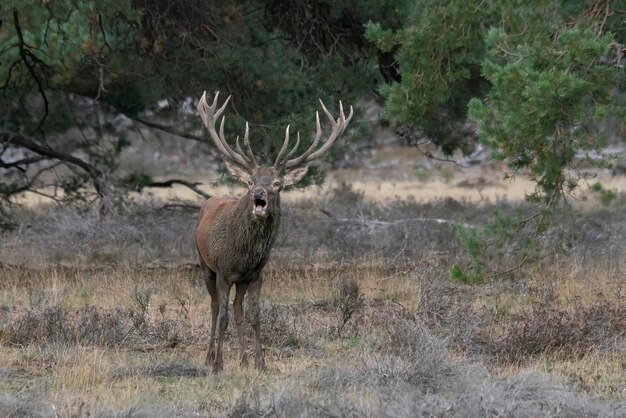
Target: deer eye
277, 184
250, 182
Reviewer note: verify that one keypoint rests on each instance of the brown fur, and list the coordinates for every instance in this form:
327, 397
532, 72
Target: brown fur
237, 242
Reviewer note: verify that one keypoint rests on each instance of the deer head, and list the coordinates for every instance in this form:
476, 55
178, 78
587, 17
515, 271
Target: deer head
265, 183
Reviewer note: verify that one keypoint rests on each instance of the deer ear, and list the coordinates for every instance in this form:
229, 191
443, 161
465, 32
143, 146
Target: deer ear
238, 172
294, 176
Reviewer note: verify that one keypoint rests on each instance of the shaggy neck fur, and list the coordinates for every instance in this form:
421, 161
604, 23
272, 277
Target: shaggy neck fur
240, 241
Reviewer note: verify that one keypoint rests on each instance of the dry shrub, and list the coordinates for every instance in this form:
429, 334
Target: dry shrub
295, 326
31, 406
410, 373
526, 395
293, 404
97, 327
567, 333
447, 308
350, 227
24, 407
91, 326
345, 226
137, 233
427, 361
178, 368
347, 298
55, 325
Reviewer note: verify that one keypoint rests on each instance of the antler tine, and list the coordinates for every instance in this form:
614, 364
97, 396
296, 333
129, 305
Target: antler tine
300, 159
209, 116
283, 149
341, 114
237, 146
328, 115
221, 109
250, 156
233, 155
295, 147
338, 127
210, 110
246, 143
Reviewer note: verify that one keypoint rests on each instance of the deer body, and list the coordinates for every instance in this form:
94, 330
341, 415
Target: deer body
230, 239
234, 236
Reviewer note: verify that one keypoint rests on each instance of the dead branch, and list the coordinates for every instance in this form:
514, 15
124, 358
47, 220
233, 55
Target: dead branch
23, 162
168, 129
181, 206
97, 176
46, 151
171, 183
376, 223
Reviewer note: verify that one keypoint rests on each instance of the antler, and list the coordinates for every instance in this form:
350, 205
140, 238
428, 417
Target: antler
312, 153
209, 116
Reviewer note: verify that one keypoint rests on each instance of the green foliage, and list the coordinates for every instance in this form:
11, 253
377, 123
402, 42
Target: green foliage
503, 244
549, 93
293, 342
439, 55
75, 190
461, 276
538, 79
474, 248
534, 75
136, 181
606, 196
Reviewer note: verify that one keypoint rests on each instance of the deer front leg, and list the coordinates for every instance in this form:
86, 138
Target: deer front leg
239, 320
255, 318
223, 291
215, 307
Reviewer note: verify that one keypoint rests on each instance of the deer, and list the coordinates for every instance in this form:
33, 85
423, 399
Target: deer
234, 235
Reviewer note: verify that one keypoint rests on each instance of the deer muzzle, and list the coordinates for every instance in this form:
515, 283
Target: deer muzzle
259, 202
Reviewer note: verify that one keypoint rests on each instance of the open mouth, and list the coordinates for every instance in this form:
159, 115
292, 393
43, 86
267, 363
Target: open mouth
260, 206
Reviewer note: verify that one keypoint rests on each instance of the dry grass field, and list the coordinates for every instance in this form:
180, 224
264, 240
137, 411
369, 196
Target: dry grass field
360, 316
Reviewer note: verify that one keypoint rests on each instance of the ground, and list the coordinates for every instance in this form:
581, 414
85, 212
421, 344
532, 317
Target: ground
360, 314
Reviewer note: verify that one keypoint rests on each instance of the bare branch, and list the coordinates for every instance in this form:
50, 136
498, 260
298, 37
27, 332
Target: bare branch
20, 163
428, 154
26, 56
169, 129
28, 185
172, 182
374, 223
30, 144
183, 206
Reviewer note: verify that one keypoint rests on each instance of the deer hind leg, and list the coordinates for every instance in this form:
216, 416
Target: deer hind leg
215, 308
239, 320
223, 291
255, 319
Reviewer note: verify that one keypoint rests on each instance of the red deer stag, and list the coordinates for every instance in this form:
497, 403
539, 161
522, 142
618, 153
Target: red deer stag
234, 236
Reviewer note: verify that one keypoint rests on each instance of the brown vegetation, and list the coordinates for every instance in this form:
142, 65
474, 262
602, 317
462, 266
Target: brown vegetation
376, 328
